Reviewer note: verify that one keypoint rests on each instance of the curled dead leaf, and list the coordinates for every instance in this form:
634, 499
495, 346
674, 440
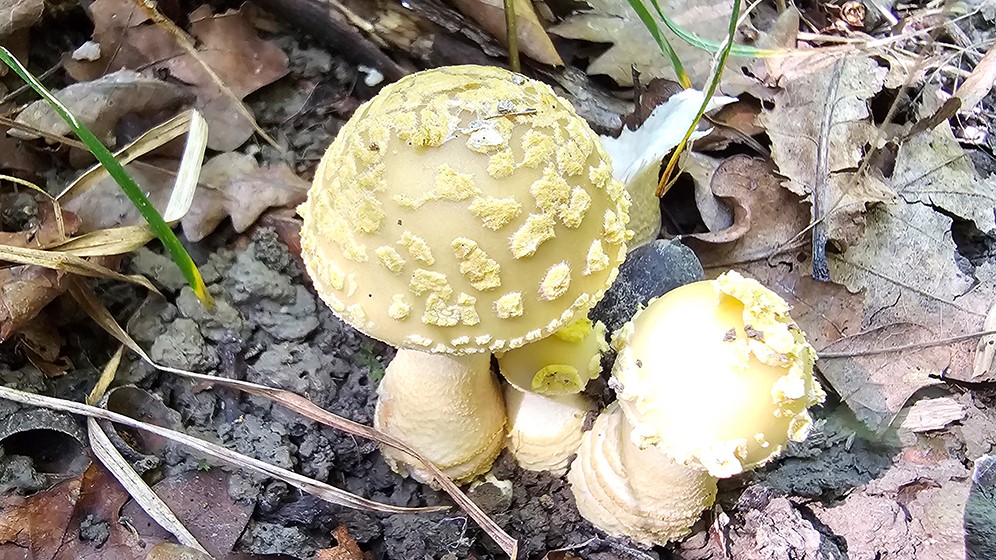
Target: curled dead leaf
533, 40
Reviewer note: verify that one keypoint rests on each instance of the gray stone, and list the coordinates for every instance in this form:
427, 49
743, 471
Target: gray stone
649, 271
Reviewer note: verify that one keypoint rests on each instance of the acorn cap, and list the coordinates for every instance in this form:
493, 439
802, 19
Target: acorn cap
464, 209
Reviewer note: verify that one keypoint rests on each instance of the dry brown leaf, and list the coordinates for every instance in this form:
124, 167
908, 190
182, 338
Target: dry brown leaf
100, 104
765, 216
24, 292
105, 205
347, 549
615, 22
533, 40
231, 47
54, 226
235, 186
933, 169
228, 43
19, 14
978, 84
795, 125
46, 525
201, 501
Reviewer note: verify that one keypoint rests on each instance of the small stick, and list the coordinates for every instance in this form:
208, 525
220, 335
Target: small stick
917, 346
512, 36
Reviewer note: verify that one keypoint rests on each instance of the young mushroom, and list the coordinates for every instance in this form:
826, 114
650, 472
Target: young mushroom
463, 210
560, 364
716, 377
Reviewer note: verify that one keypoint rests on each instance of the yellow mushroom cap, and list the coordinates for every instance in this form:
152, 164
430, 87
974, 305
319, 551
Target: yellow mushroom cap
464, 209
716, 374
559, 364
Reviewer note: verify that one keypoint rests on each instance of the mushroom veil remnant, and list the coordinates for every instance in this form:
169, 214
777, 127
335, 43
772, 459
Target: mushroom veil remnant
713, 376
464, 209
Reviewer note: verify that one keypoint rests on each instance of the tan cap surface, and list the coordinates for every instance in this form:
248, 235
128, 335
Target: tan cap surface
464, 209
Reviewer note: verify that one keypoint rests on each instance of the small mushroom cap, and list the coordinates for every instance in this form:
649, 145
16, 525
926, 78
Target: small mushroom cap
449, 409
559, 364
464, 209
639, 493
545, 432
717, 374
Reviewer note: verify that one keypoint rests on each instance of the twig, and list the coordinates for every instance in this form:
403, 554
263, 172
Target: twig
821, 269
512, 35
890, 349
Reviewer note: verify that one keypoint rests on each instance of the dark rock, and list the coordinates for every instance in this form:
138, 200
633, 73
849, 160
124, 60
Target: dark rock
649, 271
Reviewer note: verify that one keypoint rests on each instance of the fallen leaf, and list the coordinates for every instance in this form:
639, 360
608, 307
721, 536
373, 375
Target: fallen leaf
228, 44
237, 187
932, 168
19, 14
533, 40
105, 205
347, 549
201, 502
54, 226
76, 519
234, 51
832, 95
615, 22
100, 104
24, 292
825, 312
985, 350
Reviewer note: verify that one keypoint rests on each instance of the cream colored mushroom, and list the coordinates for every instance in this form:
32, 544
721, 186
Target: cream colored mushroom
545, 431
559, 364
464, 209
639, 493
713, 378
450, 409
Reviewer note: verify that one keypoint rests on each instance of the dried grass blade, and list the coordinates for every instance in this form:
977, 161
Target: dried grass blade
111, 458
107, 242
68, 263
84, 296
320, 489
55, 203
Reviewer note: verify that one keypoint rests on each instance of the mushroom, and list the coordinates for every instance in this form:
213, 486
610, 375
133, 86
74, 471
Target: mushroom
559, 364
544, 432
449, 409
714, 376
463, 210
639, 493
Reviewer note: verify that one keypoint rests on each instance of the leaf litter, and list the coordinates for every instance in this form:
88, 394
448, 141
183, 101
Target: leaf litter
899, 277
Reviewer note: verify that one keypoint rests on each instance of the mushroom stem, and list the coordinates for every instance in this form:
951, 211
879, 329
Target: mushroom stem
639, 493
545, 431
449, 409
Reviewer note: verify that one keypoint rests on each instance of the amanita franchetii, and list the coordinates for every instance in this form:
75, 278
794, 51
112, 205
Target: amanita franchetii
713, 378
463, 210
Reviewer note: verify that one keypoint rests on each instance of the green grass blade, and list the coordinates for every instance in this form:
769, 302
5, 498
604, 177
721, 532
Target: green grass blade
123, 179
724, 56
705, 44
662, 42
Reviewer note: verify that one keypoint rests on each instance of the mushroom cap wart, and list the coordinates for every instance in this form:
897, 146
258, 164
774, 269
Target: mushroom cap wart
464, 209
717, 375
